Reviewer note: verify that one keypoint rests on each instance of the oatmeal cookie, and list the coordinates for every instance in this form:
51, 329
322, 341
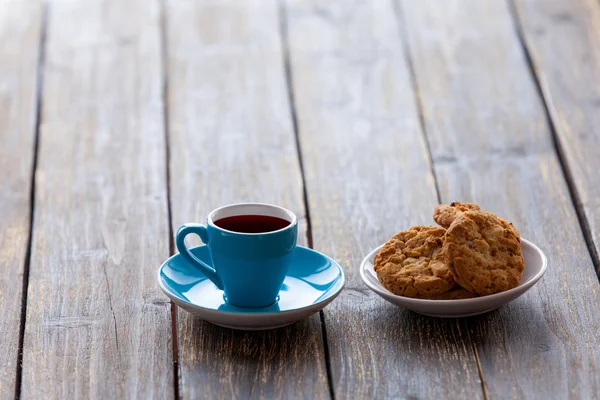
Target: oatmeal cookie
483, 253
411, 263
454, 294
444, 214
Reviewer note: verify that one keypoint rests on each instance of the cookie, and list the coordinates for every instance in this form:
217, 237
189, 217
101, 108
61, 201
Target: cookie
454, 294
483, 253
444, 214
411, 263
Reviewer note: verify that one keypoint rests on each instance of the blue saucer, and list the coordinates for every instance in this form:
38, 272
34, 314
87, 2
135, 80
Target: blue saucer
313, 281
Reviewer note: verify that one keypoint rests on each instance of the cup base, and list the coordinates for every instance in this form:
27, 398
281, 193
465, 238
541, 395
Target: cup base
235, 305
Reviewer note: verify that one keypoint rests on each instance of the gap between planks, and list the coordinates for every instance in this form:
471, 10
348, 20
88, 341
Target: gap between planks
417, 97
165, 100
38, 113
574, 194
419, 106
283, 34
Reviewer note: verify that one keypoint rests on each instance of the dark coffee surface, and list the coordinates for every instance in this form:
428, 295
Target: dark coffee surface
252, 223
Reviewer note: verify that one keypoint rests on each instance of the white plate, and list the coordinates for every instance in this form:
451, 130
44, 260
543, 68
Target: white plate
535, 266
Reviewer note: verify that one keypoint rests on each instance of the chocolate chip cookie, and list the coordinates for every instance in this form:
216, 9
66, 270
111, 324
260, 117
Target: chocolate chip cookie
411, 263
483, 253
444, 214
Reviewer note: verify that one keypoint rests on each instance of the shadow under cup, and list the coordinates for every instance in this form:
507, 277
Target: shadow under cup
251, 266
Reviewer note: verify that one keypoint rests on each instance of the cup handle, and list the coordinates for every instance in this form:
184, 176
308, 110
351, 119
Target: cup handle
203, 267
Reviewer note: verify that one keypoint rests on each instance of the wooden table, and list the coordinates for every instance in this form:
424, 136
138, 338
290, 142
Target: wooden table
121, 120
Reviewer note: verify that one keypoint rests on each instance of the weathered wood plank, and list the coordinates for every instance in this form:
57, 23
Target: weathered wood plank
20, 28
231, 140
97, 324
368, 175
491, 144
563, 39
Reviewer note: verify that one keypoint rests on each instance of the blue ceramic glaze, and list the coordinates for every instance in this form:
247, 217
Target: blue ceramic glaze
312, 278
248, 267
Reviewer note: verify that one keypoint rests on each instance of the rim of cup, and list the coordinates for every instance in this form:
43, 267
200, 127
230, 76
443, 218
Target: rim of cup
255, 209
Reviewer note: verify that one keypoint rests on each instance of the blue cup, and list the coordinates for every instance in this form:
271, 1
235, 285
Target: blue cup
248, 267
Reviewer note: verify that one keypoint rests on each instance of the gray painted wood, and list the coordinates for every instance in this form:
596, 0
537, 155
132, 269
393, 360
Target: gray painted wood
20, 25
563, 38
232, 140
368, 176
97, 325
491, 144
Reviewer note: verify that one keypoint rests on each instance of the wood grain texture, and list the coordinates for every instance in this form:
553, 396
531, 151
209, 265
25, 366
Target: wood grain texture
368, 176
20, 26
491, 144
232, 140
97, 324
563, 39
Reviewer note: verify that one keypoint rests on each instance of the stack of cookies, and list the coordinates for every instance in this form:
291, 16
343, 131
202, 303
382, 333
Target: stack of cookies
474, 253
